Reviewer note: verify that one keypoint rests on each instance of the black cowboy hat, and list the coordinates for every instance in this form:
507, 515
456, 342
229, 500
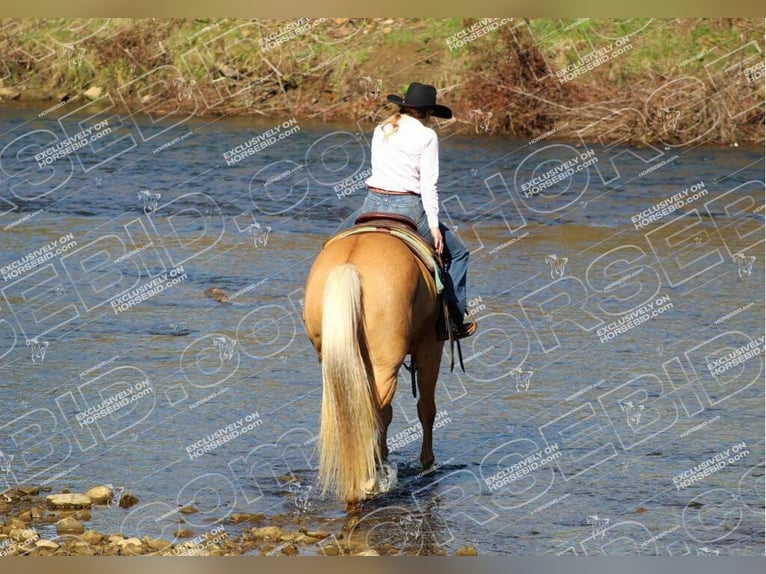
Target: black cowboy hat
421, 97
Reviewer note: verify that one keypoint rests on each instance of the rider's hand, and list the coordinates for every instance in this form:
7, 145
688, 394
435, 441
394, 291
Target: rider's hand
438, 239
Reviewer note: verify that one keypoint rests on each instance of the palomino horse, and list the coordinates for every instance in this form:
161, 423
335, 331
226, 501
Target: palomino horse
369, 302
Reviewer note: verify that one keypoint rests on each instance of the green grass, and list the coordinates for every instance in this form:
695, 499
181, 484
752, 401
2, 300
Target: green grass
659, 47
399, 37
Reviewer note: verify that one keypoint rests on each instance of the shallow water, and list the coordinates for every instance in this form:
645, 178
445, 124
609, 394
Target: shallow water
616, 420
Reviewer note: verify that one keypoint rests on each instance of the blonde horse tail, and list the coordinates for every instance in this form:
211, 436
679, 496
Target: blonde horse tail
348, 445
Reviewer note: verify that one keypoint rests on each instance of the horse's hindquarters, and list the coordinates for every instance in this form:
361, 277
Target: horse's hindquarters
368, 302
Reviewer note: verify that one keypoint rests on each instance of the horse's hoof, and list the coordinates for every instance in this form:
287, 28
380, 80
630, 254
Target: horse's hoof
385, 480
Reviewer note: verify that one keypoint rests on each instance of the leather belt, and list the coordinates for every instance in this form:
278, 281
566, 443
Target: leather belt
386, 192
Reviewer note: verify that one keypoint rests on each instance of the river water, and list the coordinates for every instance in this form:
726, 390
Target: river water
613, 395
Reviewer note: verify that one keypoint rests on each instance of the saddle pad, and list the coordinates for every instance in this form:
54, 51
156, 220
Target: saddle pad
414, 241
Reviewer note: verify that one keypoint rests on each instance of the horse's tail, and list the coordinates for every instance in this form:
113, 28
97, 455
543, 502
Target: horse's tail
348, 446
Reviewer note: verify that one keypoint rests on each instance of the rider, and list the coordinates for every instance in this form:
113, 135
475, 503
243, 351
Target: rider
405, 170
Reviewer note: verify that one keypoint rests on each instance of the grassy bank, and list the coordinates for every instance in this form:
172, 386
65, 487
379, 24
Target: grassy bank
639, 81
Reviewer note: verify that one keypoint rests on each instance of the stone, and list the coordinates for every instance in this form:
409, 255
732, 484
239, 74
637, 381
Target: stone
183, 533
217, 294
237, 517
191, 551
466, 551
80, 548
9, 94
329, 550
72, 501
91, 537
187, 510
130, 547
47, 544
30, 490
82, 514
290, 550
100, 494
69, 525
15, 522
25, 516
368, 552
317, 534
93, 93
155, 544
127, 500
126, 541
272, 532
290, 536
22, 534
11, 494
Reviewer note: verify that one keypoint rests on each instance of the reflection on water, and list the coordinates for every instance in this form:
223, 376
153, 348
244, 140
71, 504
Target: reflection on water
595, 332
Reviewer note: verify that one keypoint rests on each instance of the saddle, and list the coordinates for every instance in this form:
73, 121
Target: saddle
403, 228
406, 230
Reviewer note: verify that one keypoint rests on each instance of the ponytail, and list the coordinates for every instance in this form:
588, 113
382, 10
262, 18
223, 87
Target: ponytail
391, 124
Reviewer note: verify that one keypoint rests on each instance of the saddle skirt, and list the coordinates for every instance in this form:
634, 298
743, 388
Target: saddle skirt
403, 228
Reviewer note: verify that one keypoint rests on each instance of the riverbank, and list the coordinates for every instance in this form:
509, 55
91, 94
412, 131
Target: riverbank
33, 523
671, 82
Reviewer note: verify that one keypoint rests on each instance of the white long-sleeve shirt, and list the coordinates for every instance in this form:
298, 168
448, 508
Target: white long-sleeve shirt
408, 160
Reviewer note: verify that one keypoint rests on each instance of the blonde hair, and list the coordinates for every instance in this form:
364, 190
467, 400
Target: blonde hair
392, 122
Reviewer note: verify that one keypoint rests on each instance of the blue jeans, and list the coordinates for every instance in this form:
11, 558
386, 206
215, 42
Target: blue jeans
454, 255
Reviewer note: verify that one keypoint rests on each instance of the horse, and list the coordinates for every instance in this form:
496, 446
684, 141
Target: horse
369, 302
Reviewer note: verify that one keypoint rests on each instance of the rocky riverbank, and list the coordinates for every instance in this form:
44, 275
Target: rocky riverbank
33, 523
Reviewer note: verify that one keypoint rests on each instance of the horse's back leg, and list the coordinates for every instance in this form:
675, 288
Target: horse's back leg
386, 414
385, 385
427, 360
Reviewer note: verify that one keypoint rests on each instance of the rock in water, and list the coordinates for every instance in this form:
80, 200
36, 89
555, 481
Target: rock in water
99, 494
217, 294
68, 501
467, 551
127, 500
69, 525
272, 532
22, 534
30, 490
92, 537
238, 517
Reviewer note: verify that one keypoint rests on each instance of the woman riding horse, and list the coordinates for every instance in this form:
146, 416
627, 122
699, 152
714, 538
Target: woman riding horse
370, 302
